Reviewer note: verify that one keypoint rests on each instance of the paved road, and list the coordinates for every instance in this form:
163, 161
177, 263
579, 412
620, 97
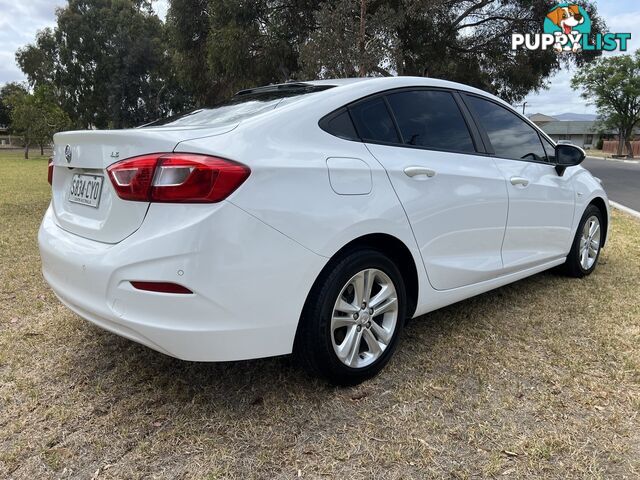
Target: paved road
621, 180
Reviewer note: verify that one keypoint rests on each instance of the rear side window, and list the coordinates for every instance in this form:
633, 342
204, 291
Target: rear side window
431, 119
340, 125
510, 136
373, 121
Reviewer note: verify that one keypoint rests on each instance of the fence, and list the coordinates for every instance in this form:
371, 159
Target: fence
611, 146
10, 141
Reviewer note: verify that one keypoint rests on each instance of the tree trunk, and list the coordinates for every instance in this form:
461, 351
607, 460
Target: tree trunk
26, 151
361, 40
41, 149
620, 143
629, 148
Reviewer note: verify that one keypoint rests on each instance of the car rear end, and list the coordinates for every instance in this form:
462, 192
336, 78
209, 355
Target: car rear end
141, 240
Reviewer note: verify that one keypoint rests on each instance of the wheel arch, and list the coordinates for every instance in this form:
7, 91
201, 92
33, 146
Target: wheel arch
602, 206
396, 250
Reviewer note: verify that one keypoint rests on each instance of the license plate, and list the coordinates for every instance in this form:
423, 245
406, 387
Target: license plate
86, 189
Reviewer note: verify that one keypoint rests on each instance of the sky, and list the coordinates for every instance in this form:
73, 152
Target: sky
621, 16
21, 19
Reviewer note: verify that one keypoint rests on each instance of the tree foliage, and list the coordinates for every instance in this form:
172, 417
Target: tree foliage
222, 46
352, 39
105, 62
612, 84
234, 44
7, 96
468, 41
35, 116
114, 63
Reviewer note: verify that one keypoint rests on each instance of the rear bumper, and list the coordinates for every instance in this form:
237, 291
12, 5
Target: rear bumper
249, 281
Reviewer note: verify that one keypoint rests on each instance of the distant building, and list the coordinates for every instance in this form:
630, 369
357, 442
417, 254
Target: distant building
540, 119
580, 129
584, 134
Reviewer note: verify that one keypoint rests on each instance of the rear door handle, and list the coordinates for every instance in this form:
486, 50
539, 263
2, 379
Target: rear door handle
419, 171
519, 181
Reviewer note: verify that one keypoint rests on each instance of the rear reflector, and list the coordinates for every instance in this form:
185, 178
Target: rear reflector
177, 178
50, 171
162, 287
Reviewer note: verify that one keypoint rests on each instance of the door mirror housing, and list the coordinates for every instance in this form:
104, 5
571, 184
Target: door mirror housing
568, 156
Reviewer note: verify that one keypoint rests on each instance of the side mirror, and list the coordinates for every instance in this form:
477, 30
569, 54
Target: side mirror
568, 156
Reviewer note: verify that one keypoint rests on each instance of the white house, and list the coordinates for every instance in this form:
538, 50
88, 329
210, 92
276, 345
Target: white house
584, 134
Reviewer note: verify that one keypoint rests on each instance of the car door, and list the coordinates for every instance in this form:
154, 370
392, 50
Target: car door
541, 201
455, 198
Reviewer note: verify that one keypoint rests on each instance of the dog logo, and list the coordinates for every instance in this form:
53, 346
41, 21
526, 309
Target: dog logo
567, 28
570, 20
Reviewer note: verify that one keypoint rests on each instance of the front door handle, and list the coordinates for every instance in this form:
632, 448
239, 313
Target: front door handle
519, 181
419, 171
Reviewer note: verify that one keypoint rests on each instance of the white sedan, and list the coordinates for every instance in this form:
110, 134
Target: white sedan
312, 218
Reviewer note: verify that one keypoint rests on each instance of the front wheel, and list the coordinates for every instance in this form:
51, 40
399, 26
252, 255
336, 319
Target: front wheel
353, 318
585, 251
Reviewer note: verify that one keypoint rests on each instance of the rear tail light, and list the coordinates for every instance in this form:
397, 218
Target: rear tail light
50, 171
177, 177
133, 178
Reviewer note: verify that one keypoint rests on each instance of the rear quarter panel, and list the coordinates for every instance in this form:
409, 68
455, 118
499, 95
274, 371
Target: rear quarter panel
289, 187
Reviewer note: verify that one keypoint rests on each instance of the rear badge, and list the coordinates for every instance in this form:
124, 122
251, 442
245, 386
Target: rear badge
115, 154
67, 153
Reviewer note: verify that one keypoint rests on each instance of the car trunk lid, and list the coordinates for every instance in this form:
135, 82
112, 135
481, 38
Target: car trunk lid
84, 200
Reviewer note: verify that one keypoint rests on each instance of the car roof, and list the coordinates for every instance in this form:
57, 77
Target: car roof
333, 94
368, 85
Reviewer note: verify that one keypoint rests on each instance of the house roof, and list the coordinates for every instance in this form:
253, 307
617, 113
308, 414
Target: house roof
541, 117
559, 127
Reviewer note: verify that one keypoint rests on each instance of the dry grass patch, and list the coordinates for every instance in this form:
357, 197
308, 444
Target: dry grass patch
537, 379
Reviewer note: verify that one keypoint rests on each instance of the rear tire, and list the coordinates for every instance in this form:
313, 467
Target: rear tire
353, 317
585, 251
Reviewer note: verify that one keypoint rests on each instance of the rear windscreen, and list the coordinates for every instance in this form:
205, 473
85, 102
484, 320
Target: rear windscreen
238, 108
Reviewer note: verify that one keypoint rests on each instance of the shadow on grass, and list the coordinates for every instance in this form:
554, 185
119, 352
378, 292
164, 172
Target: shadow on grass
134, 375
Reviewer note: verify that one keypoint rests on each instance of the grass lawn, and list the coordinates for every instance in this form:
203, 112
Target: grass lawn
540, 379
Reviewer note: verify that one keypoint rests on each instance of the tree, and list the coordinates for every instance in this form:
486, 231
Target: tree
222, 46
468, 41
52, 118
7, 92
352, 38
105, 62
612, 84
36, 117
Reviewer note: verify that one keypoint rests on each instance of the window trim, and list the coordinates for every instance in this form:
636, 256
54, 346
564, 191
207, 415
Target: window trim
485, 135
545, 149
476, 134
474, 131
394, 120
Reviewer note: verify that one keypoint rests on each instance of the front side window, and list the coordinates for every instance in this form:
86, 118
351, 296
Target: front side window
373, 121
550, 149
431, 119
510, 136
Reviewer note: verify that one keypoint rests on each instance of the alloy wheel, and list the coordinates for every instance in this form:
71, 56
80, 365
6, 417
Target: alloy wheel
364, 318
590, 242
